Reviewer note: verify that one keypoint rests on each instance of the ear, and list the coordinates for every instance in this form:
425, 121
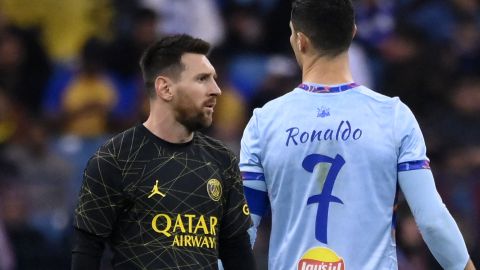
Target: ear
302, 42
163, 88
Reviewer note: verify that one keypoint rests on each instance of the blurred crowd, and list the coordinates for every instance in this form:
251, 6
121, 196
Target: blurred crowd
69, 79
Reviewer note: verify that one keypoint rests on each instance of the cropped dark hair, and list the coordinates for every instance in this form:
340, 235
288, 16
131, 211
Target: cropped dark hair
164, 57
329, 24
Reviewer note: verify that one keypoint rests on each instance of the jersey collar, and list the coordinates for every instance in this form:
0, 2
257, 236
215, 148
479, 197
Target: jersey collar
318, 88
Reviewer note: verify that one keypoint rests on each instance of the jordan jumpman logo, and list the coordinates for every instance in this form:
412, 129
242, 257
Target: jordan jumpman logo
156, 191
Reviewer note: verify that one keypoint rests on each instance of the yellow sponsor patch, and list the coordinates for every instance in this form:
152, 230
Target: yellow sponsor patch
187, 230
321, 258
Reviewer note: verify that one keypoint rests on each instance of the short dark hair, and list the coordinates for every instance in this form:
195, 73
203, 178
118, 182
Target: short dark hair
329, 24
164, 57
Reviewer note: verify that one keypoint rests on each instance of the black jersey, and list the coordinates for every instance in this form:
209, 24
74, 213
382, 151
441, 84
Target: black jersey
162, 205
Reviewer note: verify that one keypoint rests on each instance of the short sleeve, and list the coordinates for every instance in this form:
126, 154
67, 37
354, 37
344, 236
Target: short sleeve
236, 218
250, 148
100, 199
409, 137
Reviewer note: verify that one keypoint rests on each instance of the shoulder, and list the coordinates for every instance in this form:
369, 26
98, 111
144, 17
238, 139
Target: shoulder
394, 105
275, 108
211, 143
368, 93
280, 102
123, 141
213, 146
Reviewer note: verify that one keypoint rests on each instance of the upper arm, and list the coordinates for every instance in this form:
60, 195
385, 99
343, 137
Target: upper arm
87, 250
251, 147
408, 136
419, 189
252, 169
236, 218
101, 198
436, 224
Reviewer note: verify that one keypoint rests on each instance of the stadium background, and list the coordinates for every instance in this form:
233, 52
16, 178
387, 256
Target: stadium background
69, 79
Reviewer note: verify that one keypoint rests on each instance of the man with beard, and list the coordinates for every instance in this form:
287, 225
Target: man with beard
162, 194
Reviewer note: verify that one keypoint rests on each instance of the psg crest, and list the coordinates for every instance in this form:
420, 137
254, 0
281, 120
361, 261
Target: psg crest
214, 189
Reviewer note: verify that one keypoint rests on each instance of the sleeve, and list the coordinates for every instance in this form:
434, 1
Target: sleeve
236, 218
410, 143
252, 174
436, 224
101, 198
87, 250
235, 222
236, 253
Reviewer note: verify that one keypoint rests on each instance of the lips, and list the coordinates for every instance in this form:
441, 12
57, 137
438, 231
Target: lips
210, 104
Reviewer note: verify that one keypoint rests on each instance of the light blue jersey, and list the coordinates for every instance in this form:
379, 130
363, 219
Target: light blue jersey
327, 162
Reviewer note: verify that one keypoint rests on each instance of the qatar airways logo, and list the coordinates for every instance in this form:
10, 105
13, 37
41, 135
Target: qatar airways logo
343, 132
187, 230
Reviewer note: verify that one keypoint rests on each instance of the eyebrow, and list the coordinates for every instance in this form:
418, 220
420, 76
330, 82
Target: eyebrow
214, 74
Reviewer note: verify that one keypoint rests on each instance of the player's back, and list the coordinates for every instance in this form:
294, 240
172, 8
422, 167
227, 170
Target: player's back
330, 167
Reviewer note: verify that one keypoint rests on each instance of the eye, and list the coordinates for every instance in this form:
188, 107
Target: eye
203, 78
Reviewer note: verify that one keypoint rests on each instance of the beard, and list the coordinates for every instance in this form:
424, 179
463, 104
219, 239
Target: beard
192, 116
192, 120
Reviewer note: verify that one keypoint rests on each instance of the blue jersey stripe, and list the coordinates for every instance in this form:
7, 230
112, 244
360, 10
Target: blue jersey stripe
257, 200
413, 165
252, 176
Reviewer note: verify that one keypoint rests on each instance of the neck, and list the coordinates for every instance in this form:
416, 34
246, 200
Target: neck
162, 123
325, 70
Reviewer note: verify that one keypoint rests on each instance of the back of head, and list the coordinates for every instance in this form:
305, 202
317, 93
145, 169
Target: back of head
329, 24
164, 58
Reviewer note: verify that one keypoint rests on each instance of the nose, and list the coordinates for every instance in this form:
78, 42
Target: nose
215, 91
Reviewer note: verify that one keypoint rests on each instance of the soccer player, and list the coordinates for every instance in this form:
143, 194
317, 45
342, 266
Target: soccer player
162, 194
328, 157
